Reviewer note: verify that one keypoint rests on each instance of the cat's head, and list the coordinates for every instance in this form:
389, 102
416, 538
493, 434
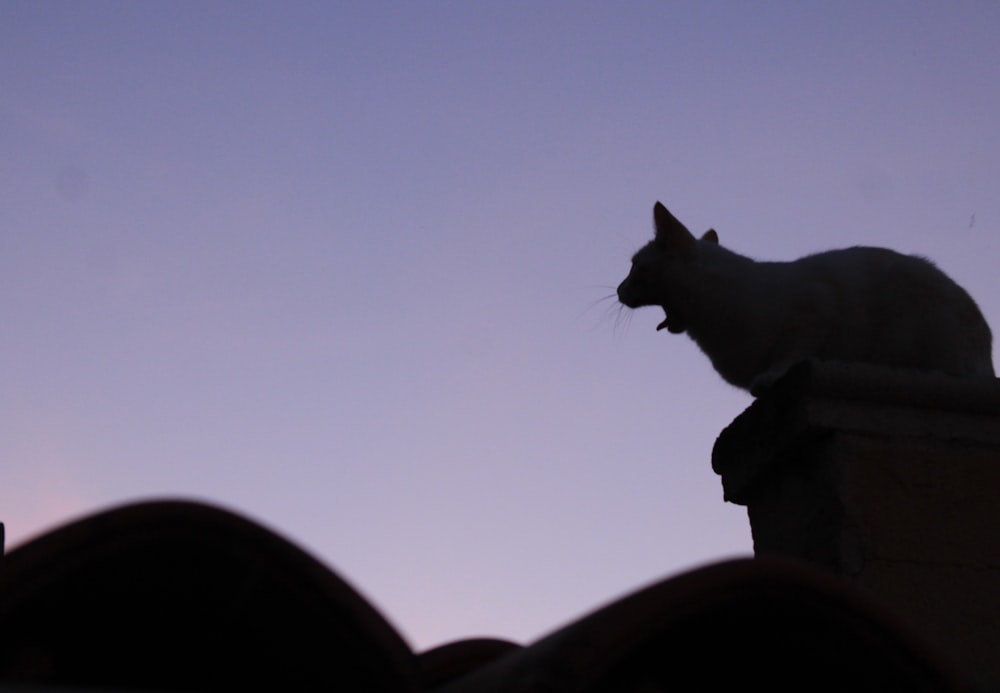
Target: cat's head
662, 270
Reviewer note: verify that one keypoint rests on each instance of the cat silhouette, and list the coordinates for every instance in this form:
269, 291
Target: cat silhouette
756, 319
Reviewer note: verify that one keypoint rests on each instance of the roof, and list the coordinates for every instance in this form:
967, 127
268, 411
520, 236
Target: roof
185, 596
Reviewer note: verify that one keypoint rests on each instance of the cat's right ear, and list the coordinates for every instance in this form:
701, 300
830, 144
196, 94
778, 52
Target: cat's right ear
711, 236
669, 230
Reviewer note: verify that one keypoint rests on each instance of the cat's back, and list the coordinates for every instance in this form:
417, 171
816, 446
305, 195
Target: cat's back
880, 273
863, 261
908, 306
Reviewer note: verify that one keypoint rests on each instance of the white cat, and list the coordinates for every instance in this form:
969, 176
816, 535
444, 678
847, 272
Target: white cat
756, 319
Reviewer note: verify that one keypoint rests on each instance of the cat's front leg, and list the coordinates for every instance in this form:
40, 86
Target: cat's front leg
763, 382
766, 380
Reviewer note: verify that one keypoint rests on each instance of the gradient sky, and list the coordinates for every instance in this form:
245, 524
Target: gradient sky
345, 267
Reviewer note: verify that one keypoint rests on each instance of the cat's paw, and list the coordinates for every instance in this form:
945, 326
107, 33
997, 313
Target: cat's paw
766, 380
762, 383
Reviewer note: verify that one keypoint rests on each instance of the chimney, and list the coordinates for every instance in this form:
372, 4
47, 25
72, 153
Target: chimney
889, 479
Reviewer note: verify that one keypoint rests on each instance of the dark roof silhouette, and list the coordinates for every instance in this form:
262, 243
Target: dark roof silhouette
177, 595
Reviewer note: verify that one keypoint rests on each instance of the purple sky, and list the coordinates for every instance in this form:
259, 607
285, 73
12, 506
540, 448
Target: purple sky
339, 266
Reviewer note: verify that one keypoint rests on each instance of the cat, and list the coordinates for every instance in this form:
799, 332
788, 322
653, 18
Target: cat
754, 320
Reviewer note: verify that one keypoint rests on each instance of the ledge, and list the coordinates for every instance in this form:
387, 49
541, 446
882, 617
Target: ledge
815, 399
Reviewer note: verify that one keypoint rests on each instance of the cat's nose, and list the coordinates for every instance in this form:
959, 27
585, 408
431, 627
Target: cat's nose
624, 294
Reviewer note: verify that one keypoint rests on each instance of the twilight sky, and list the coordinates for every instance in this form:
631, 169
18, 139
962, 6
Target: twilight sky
345, 267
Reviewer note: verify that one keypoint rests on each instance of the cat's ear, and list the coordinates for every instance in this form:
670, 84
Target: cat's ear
711, 236
669, 230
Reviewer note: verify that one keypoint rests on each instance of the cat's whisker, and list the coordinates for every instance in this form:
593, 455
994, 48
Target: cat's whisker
609, 301
623, 318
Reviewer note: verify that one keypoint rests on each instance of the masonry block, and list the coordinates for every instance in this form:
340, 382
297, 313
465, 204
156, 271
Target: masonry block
888, 478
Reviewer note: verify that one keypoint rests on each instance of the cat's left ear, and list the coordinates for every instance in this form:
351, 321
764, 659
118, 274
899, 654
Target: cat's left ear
711, 236
671, 231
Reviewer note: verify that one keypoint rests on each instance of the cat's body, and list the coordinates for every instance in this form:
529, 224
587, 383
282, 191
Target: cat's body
756, 319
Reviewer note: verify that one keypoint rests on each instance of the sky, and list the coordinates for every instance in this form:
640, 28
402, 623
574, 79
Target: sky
348, 268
